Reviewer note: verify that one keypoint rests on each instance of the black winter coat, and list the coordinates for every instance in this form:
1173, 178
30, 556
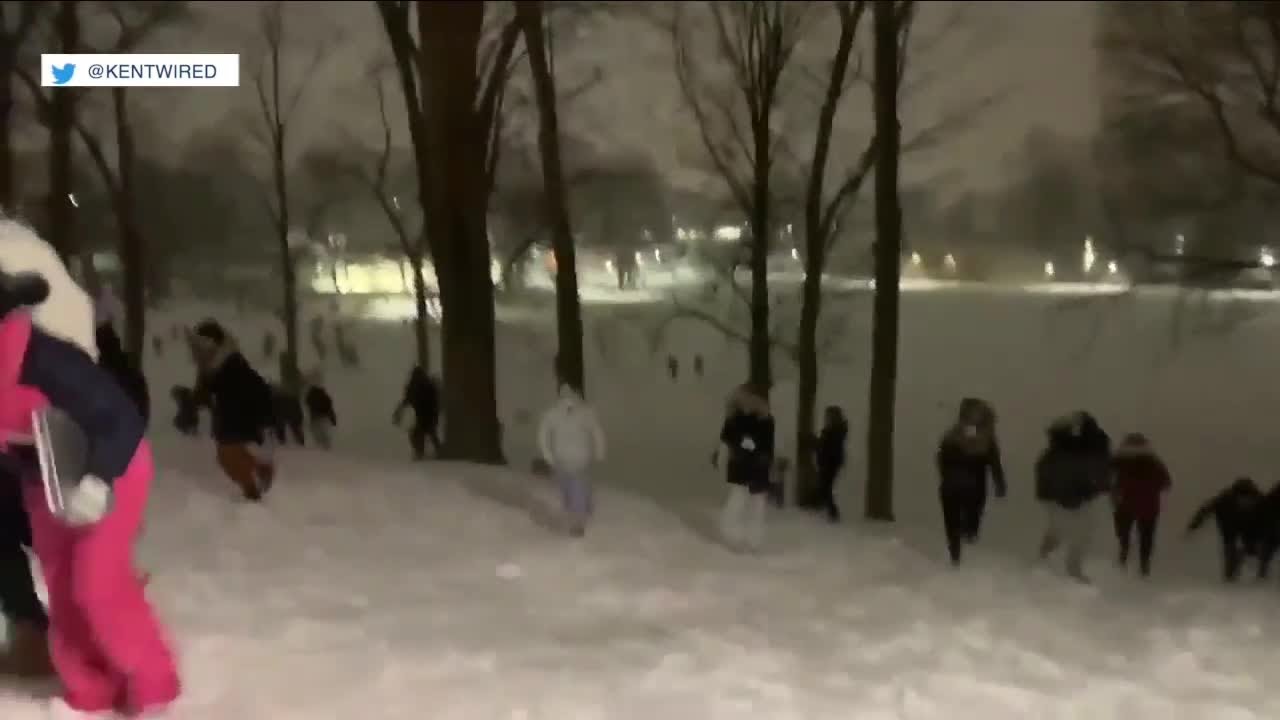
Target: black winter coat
961, 469
240, 398
831, 442
1076, 467
750, 442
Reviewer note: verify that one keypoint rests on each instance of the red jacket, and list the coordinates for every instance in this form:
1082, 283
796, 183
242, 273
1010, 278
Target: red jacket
1140, 478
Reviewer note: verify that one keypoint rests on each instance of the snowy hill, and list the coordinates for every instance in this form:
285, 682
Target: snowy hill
370, 588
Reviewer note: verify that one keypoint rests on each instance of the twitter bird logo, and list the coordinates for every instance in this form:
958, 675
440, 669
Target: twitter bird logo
62, 75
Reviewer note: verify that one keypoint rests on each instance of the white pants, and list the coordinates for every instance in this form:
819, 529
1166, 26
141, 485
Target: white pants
1072, 528
322, 432
742, 519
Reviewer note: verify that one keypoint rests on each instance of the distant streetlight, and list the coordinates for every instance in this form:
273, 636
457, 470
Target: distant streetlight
916, 259
1090, 257
1179, 244
1113, 267
1048, 269
1266, 258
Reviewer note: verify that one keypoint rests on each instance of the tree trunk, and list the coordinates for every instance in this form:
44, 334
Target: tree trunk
817, 241
452, 161
760, 346
132, 247
807, 380
888, 246
8, 190
421, 318
569, 358
290, 376
60, 212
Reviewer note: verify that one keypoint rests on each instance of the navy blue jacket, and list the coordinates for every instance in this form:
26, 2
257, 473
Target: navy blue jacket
73, 383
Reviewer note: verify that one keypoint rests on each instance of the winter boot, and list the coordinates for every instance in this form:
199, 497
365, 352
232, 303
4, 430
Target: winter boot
27, 655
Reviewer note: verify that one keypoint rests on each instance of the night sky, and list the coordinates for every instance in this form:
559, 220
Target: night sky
1035, 56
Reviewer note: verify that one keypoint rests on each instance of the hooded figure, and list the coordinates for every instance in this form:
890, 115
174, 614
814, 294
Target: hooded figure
242, 410
1140, 479
967, 454
571, 440
1073, 470
106, 644
1239, 513
747, 437
113, 358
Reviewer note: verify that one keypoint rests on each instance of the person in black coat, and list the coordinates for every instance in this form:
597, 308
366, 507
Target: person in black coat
242, 410
113, 358
187, 419
321, 414
27, 653
1238, 512
747, 437
967, 455
829, 457
1072, 471
422, 395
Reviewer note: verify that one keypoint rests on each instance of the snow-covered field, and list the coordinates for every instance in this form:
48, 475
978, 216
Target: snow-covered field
370, 588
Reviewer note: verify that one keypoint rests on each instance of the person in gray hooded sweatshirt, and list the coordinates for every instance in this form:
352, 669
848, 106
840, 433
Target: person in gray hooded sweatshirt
1072, 471
571, 440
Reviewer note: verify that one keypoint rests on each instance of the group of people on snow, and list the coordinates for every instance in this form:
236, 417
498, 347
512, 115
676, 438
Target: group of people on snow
1079, 465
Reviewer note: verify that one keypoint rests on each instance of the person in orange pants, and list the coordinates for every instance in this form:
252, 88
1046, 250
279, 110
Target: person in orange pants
242, 410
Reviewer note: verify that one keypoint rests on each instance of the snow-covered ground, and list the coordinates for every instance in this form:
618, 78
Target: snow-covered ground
370, 588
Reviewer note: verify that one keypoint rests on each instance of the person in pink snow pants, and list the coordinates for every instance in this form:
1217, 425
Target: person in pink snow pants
107, 645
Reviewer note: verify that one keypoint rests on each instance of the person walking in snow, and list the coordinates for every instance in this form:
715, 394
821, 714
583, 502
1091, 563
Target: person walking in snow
242, 410
747, 439
1071, 472
422, 395
124, 368
1140, 479
321, 415
829, 457
108, 647
967, 454
571, 440
1236, 512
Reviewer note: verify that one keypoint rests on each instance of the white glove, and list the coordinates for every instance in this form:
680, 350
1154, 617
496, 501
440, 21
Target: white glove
89, 502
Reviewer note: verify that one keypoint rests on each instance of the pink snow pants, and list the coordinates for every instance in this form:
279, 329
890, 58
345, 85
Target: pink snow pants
104, 638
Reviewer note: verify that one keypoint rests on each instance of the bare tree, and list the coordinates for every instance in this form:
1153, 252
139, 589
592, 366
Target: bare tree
278, 99
882, 403
132, 23
757, 41
60, 119
379, 179
453, 76
531, 15
1224, 55
17, 25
